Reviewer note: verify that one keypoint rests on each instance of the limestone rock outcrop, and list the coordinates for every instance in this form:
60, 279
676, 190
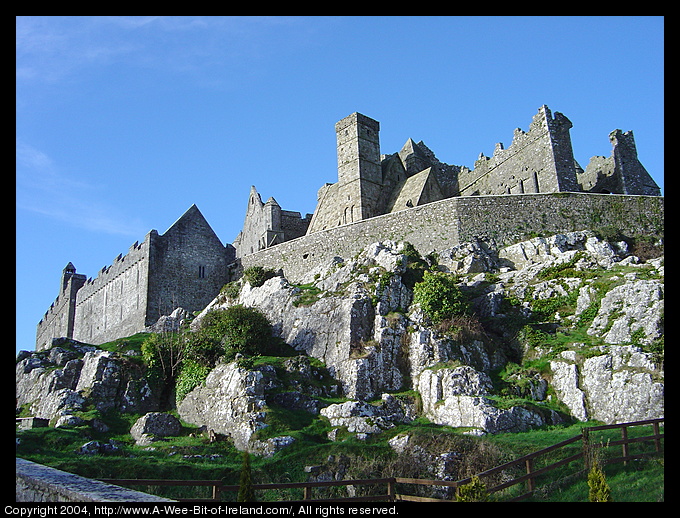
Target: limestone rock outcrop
230, 402
379, 348
620, 385
59, 381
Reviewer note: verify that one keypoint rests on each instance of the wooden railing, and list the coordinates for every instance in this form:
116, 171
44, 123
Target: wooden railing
584, 448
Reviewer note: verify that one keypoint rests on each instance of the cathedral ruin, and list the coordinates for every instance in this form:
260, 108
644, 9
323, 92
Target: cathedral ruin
187, 265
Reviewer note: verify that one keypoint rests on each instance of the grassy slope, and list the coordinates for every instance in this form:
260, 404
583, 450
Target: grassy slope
640, 481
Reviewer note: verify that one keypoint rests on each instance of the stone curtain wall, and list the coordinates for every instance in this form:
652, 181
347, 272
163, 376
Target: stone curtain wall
443, 224
114, 303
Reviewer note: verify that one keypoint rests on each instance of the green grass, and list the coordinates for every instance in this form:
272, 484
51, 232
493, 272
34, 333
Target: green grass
639, 481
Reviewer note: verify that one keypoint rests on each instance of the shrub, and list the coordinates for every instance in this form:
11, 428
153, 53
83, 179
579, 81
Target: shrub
231, 290
191, 375
463, 328
239, 329
475, 491
182, 358
598, 489
246, 493
257, 276
439, 296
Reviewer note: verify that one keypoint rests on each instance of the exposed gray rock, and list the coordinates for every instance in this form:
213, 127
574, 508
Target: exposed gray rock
566, 383
621, 385
100, 378
47, 391
155, 425
633, 306
98, 447
231, 402
439, 384
269, 447
363, 417
455, 397
479, 412
169, 323
69, 420
468, 258
361, 323
297, 401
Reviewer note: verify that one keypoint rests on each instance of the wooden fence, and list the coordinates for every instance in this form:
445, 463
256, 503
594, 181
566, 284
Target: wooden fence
583, 446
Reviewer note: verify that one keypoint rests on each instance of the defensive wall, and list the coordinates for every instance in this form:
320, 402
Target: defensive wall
115, 301
436, 226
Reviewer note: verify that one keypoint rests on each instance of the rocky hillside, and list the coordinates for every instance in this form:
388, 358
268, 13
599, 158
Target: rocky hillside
487, 340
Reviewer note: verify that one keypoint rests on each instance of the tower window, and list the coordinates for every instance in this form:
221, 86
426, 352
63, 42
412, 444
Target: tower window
201, 272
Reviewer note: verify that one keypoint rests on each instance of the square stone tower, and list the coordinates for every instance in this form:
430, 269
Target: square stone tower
359, 170
358, 193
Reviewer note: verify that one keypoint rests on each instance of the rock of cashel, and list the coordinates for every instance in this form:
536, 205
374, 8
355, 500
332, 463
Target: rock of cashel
533, 187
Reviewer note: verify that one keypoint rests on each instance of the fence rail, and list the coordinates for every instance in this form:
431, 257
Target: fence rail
526, 463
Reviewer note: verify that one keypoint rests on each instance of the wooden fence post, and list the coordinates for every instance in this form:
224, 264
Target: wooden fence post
391, 489
657, 441
624, 446
530, 480
586, 448
307, 493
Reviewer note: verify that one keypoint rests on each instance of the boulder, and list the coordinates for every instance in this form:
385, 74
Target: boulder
230, 402
467, 258
153, 426
169, 323
363, 417
98, 448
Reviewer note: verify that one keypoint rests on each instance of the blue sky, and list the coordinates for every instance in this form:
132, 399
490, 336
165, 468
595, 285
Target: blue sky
122, 123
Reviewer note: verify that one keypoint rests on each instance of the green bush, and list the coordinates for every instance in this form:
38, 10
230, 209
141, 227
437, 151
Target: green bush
231, 290
257, 276
475, 491
439, 296
598, 489
182, 359
240, 330
246, 493
191, 375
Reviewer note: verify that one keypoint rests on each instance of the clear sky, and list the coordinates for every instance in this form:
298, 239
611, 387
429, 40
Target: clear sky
122, 123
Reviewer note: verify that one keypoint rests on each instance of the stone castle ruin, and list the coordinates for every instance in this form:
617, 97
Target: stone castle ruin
533, 186
538, 161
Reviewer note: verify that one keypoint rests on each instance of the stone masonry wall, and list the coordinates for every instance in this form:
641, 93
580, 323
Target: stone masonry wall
443, 224
114, 303
540, 160
188, 267
38, 483
60, 318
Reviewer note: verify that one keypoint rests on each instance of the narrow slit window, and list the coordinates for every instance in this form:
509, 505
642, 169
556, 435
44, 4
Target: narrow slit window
201, 272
